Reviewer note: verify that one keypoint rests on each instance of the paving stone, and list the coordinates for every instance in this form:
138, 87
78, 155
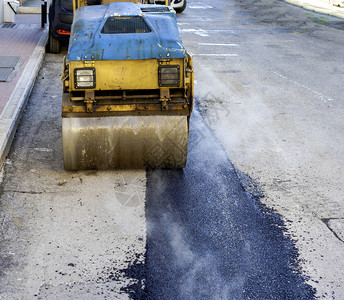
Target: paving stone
8, 61
5, 73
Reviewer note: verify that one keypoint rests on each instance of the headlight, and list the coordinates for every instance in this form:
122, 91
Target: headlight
85, 78
169, 76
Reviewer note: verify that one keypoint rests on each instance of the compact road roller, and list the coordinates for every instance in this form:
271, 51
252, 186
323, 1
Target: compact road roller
127, 89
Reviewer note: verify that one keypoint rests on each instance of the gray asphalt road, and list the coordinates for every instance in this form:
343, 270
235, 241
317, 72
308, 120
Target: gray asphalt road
201, 233
269, 85
64, 235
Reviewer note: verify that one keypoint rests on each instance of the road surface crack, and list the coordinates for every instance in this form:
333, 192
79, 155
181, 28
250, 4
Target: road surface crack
24, 192
327, 223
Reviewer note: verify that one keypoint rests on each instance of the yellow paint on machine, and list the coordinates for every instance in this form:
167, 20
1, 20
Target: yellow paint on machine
80, 3
125, 74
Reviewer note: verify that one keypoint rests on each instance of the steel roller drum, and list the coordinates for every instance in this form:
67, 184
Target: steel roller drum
125, 142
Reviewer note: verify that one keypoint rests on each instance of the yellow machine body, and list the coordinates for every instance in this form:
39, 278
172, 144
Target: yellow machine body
128, 86
80, 3
126, 74
134, 113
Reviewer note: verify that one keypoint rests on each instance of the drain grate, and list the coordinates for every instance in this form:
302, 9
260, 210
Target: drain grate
19, 26
7, 65
7, 25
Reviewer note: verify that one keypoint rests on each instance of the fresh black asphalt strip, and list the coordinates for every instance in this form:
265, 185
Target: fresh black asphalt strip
209, 239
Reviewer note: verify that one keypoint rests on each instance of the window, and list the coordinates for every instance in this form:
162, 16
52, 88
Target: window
120, 25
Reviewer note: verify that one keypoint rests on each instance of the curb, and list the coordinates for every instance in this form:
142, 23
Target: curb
12, 112
328, 10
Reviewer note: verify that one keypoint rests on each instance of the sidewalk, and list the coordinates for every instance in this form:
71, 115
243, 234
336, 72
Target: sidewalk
328, 7
22, 50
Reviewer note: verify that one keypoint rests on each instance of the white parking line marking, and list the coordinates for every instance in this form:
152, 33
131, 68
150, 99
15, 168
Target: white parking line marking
200, 7
212, 44
203, 32
217, 55
318, 94
200, 32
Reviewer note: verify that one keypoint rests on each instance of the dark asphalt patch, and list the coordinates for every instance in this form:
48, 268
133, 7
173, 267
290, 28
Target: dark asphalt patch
209, 239
137, 271
283, 16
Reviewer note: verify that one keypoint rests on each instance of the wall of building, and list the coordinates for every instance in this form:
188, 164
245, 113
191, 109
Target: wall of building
1, 13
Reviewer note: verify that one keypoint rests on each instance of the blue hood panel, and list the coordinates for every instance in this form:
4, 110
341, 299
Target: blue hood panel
88, 43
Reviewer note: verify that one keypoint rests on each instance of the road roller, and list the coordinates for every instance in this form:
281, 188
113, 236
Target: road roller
127, 89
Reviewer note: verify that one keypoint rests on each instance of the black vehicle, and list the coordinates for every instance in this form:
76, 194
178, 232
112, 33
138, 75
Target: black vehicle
60, 22
178, 5
61, 19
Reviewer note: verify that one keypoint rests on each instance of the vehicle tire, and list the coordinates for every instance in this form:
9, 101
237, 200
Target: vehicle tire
181, 9
54, 45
